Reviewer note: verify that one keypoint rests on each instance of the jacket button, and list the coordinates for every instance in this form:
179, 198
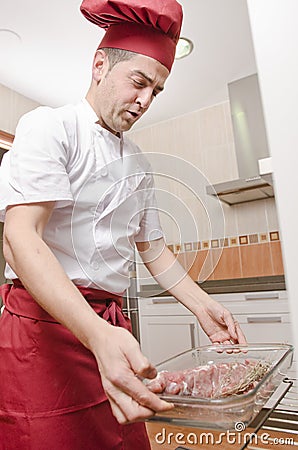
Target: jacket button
95, 265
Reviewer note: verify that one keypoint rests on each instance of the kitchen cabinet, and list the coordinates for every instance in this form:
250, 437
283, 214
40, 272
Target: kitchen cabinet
166, 328
167, 336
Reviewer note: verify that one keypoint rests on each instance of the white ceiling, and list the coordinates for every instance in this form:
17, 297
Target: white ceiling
51, 62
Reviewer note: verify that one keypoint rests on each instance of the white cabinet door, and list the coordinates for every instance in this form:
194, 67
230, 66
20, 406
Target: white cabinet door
165, 336
266, 328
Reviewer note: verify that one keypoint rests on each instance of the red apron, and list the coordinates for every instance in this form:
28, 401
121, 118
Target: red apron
51, 396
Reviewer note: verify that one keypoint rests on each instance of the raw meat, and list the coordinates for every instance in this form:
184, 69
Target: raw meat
211, 380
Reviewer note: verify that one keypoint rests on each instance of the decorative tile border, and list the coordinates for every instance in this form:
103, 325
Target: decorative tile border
231, 241
274, 235
205, 245
177, 248
263, 237
243, 240
253, 238
215, 243
224, 242
188, 246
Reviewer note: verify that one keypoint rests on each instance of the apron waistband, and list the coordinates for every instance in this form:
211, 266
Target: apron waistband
19, 302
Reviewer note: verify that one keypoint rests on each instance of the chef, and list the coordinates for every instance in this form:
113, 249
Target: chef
77, 197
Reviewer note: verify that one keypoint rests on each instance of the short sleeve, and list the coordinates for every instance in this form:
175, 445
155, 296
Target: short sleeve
150, 228
34, 170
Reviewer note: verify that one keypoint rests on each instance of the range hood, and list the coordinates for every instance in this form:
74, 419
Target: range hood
250, 144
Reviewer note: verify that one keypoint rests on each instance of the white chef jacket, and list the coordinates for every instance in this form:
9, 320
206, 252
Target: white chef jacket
102, 186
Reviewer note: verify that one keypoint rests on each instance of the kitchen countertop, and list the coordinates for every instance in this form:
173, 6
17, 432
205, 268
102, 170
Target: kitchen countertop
254, 284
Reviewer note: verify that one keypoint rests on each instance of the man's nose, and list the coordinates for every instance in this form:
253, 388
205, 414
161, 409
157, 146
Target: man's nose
145, 98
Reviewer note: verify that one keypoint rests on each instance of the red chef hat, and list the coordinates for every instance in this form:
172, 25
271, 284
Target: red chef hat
148, 27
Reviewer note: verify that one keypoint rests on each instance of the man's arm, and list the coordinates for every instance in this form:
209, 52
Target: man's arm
216, 321
117, 353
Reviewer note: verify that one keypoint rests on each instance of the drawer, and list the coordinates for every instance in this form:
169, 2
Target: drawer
159, 306
258, 307
254, 302
251, 296
266, 328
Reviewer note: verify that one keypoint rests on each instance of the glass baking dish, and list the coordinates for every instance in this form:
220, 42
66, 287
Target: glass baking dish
226, 412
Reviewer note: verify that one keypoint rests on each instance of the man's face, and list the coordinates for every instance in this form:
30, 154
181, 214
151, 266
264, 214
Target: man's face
125, 92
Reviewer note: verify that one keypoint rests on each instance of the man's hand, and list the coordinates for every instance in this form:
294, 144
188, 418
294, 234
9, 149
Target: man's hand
218, 324
121, 363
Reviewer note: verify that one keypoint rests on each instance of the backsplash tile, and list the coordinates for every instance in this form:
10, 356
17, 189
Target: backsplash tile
243, 240
224, 242
274, 235
228, 265
215, 243
256, 260
205, 244
263, 237
196, 246
188, 247
242, 256
233, 241
198, 265
277, 262
253, 238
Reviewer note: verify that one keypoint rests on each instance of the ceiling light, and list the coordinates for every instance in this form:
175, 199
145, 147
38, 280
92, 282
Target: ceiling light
184, 48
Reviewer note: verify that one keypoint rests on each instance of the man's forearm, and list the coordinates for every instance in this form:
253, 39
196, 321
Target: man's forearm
171, 276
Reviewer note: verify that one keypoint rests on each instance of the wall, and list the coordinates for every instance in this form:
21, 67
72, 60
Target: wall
248, 242
12, 107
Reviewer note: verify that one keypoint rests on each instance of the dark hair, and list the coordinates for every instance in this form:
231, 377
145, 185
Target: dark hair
116, 55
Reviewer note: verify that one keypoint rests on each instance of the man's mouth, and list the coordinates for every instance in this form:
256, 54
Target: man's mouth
134, 114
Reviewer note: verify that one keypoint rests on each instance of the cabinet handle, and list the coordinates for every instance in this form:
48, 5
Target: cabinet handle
192, 335
264, 319
262, 296
163, 301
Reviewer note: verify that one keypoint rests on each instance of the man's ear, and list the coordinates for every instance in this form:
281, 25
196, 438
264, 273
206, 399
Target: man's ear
100, 65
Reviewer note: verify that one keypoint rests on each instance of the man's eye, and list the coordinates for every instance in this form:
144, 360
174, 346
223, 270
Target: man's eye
139, 83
